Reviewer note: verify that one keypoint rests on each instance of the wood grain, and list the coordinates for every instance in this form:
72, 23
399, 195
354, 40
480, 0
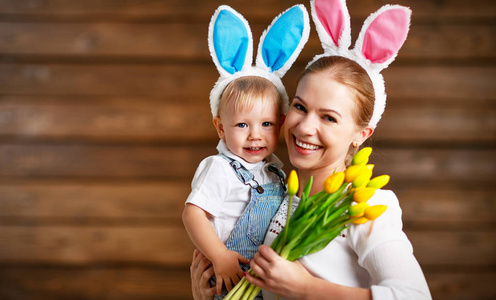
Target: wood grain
166, 162
104, 117
139, 10
124, 41
80, 245
153, 119
136, 282
95, 282
195, 81
170, 245
160, 203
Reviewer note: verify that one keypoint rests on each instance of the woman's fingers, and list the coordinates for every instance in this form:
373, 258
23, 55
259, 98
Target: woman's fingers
262, 260
268, 253
255, 280
201, 272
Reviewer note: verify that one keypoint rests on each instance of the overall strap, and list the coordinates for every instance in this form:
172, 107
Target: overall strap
272, 168
243, 174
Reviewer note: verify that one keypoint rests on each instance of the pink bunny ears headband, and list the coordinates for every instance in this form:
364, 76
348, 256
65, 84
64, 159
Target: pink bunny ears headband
382, 35
230, 43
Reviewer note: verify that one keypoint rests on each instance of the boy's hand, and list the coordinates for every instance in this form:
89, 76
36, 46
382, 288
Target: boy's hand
227, 270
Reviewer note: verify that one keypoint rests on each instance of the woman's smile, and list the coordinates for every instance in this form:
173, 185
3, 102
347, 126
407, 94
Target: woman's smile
305, 146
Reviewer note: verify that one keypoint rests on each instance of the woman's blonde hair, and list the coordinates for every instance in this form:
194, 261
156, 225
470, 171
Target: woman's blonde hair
244, 92
352, 75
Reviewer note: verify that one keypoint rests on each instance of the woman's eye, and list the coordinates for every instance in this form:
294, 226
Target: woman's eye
299, 107
266, 124
330, 119
242, 125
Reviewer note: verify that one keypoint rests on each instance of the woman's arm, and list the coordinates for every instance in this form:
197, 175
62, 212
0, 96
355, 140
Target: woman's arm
396, 273
292, 281
201, 270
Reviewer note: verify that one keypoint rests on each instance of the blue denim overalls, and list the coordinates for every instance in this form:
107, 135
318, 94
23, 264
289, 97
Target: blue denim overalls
249, 232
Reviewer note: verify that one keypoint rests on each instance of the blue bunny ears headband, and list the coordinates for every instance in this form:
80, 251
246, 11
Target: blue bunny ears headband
230, 43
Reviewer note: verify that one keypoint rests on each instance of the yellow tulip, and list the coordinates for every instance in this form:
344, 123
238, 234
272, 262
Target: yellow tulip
358, 210
362, 156
363, 178
379, 181
363, 194
370, 167
293, 183
352, 172
333, 182
360, 220
375, 211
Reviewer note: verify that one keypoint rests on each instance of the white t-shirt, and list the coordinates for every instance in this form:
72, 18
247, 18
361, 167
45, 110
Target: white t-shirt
376, 255
217, 190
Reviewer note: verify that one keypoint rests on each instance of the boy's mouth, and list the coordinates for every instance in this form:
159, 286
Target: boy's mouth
254, 148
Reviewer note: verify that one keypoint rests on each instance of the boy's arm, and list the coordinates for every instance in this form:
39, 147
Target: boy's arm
203, 235
201, 232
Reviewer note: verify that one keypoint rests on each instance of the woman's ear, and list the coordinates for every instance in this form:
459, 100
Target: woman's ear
220, 128
363, 135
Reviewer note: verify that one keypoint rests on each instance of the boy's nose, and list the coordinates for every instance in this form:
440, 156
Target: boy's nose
254, 134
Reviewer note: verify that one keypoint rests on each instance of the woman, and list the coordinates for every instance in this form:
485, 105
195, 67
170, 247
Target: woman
339, 100
326, 123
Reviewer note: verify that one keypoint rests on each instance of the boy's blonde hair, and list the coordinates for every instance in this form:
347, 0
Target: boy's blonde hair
245, 91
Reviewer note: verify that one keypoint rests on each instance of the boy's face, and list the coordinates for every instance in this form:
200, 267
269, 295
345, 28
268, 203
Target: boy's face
250, 134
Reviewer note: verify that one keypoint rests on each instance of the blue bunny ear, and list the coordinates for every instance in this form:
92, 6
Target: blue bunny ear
283, 40
230, 41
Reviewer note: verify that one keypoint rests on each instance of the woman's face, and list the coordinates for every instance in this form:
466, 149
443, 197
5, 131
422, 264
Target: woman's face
320, 126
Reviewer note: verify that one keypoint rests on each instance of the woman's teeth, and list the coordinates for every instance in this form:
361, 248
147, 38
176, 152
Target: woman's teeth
306, 146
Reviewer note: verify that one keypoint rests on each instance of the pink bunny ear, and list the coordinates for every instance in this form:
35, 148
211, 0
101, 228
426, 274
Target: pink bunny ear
332, 22
383, 34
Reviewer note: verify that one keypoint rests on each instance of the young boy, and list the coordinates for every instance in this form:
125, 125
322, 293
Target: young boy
236, 192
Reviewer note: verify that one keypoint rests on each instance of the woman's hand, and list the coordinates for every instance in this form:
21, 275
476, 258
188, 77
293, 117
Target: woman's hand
201, 271
279, 276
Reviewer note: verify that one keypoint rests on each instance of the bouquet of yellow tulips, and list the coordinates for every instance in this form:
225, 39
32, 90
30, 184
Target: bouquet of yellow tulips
319, 218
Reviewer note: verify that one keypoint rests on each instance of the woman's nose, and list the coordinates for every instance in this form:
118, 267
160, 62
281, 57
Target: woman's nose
307, 125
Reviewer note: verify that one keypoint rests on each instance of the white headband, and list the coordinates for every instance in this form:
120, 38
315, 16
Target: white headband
230, 43
382, 35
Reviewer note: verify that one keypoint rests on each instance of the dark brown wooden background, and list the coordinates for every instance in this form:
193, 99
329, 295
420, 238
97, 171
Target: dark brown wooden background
104, 118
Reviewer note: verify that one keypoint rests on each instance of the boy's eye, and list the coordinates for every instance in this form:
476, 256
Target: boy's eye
242, 125
266, 124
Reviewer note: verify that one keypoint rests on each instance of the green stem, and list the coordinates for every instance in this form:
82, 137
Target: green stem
254, 292
236, 288
286, 250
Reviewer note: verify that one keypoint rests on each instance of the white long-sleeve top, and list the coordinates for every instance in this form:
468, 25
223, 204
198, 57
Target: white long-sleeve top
375, 255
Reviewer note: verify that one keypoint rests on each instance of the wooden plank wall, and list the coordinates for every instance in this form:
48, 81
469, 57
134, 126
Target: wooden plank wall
104, 118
